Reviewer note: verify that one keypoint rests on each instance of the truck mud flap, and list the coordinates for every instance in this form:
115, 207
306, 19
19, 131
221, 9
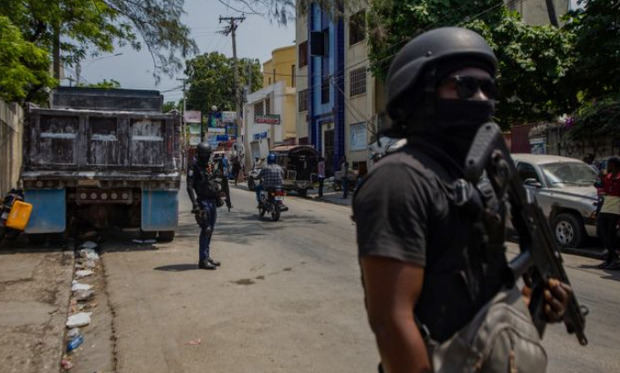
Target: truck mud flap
49, 210
160, 210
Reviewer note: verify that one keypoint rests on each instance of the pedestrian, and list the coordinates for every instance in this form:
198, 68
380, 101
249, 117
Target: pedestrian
321, 175
425, 269
206, 181
236, 168
344, 168
609, 215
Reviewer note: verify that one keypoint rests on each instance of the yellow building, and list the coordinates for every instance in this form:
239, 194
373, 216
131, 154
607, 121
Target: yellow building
281, 68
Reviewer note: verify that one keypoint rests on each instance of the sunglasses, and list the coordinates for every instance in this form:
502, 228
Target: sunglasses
468, 86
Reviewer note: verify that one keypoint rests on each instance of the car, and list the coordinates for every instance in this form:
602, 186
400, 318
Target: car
564, 189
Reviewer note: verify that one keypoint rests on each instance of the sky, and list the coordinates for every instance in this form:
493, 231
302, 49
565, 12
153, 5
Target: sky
256, 38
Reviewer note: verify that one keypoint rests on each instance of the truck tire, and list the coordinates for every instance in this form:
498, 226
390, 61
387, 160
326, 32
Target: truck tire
166, 236
37, 239
568, 230
302, 192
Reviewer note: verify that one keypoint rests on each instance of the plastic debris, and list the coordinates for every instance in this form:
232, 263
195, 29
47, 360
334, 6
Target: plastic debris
66, 364
75, 343
83, 273
89, 264
88, 245
195, 342
82, 295
72, 333
89, 254
79, 319
79, 286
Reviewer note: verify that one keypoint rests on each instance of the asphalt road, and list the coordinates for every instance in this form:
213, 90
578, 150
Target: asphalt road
287, 299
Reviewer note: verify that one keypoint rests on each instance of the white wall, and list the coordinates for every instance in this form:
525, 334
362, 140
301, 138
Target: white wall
11, 132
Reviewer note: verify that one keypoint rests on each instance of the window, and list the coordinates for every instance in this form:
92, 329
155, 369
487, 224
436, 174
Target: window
527, 171
358, 137
269, 81
274, 75
325, 90
357, 27
268, 105
292, 75
259, 109
303, 54
302, 100
357, 81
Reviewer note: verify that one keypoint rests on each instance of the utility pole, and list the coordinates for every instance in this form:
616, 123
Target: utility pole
233, 23
184, 126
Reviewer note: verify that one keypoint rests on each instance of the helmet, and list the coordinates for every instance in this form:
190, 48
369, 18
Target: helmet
271, 158
442, 49
204, 151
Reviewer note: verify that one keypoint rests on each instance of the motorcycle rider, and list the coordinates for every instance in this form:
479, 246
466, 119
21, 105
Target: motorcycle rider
271, 177
204, 191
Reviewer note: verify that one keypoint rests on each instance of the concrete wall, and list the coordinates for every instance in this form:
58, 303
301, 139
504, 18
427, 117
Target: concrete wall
11, 131
301, 35
534, 12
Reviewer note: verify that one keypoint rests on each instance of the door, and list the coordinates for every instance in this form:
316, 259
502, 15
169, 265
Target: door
328, 152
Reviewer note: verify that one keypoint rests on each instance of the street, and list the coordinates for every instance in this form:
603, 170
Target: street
288, 298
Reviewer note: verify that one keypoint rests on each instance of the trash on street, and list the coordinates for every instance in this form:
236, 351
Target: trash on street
83, 273
79, 319
79, 286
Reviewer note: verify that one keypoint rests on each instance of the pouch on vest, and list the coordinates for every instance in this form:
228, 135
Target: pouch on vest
500, 338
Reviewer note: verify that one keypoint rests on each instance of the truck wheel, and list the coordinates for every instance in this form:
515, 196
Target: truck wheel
166, 236
37, 239
148, 235
302, 192
567, 230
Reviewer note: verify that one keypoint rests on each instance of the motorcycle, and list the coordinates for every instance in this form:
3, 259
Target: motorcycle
253, 178
272, 202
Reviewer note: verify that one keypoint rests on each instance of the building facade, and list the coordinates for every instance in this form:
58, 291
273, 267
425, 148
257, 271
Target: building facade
336, 95
269, 114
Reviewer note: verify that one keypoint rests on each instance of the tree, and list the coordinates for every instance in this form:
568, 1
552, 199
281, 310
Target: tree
171, 105
210, 78
533, 60
106, 84
24, 70
78, 27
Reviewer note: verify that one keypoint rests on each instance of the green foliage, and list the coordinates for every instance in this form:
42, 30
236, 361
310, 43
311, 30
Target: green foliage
211, 81
597, 30
598, 119
24, 67
94, 26
533, 60
171, 105
106, 84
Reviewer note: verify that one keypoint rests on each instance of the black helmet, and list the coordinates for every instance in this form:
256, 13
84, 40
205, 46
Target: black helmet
447, 47
204, 151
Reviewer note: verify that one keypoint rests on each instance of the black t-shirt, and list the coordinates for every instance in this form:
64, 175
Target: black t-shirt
403, 211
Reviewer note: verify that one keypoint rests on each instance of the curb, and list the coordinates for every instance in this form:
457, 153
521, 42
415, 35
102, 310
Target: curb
589, 253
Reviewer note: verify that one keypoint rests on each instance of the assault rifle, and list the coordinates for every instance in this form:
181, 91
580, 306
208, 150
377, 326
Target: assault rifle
539, 258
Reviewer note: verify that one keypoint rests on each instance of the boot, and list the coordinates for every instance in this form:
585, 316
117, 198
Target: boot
205, 264
214, 262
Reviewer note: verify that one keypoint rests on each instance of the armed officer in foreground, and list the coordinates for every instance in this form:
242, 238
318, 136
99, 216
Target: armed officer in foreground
206, 182
440, 295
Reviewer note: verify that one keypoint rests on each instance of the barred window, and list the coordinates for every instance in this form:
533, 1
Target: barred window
259, 109
303, 100
325, 91
357, 27
268, 105
357, 81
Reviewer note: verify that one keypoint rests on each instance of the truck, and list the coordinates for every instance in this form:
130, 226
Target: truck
100, 158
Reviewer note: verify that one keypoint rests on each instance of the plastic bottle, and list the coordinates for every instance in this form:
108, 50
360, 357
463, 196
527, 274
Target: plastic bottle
75, 343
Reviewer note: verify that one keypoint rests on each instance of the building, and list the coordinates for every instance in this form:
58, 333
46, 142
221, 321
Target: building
336, 94
269, 113
534, 12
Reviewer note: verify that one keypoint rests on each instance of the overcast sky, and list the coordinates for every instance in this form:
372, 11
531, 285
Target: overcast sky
256, 38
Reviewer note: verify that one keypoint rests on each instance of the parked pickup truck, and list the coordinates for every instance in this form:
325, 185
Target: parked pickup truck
102, 157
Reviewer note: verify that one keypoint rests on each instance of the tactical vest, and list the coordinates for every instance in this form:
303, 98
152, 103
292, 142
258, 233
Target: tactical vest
205, 181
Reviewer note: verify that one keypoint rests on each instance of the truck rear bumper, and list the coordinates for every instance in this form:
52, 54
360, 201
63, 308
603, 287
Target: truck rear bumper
49, 210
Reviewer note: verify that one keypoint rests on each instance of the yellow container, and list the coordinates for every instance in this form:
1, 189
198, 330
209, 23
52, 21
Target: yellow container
19, 215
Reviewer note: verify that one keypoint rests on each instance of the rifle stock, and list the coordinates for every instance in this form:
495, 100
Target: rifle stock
539, 258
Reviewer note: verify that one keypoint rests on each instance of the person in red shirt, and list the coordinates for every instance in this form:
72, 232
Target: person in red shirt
609, 215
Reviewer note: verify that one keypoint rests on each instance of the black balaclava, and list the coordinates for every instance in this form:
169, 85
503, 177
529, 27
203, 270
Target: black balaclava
203, 154
450, 124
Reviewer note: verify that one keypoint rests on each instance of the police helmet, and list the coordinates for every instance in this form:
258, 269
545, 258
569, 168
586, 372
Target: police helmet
436, 52
204, 151
271, 158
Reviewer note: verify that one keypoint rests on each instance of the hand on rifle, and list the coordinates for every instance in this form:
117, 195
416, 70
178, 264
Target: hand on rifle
557, 294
